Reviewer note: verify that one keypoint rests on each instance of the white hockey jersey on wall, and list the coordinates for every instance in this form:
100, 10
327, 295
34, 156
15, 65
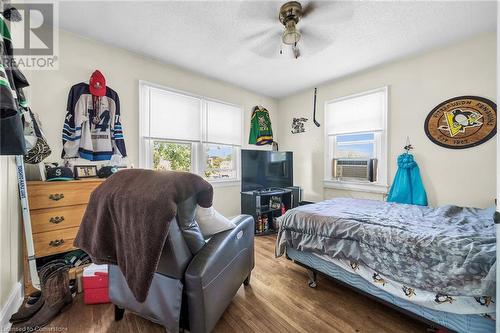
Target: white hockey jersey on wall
90, 134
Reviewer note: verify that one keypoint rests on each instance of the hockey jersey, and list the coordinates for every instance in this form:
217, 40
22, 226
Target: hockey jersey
92, 128
261, 132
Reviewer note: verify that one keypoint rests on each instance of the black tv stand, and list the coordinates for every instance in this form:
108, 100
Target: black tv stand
267, 204
269, 191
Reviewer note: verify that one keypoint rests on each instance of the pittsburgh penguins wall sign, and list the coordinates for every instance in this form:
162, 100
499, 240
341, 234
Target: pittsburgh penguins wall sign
462, 122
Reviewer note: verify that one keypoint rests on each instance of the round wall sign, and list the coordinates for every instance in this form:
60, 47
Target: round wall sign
462, 122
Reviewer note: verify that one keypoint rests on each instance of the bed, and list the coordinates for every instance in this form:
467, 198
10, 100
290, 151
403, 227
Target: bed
437, 264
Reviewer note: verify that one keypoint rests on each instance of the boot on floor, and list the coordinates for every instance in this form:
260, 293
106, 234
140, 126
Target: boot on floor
26, 311
57, 297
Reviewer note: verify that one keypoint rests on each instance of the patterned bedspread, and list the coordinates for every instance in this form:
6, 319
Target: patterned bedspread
448, 250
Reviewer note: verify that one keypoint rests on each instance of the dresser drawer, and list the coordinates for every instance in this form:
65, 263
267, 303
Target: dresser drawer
49, 219
53, 242
52, 194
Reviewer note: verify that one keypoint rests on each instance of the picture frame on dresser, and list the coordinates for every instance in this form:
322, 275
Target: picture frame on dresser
85, 171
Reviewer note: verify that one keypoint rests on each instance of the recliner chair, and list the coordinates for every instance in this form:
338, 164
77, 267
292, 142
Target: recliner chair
196, 279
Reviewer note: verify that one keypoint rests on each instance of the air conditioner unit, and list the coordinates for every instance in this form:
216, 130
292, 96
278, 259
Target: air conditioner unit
356, 169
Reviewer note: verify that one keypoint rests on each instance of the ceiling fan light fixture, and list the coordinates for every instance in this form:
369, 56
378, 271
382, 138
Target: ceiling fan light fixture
291, 35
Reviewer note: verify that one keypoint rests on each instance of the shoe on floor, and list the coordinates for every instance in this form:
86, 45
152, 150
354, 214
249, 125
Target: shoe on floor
31, 306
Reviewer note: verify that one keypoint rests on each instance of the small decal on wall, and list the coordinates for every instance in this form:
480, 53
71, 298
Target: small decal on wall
298, 125
462, 122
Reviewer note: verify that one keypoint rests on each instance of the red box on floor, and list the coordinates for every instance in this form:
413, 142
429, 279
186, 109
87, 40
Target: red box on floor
95, 296
95, 289
99, 280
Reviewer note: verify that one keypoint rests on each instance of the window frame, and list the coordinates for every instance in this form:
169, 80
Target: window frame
381, 149
198, 152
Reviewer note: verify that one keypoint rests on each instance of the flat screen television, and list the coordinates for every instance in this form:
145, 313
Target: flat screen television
262, 169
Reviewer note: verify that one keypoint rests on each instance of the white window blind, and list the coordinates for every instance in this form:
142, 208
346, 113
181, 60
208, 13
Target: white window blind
224, 123
174, 116
365, 113
185, 132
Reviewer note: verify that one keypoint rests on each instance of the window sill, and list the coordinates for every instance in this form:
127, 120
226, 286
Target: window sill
225, 183
355, 186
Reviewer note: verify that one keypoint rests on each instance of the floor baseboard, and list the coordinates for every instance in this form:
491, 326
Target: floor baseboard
11, 305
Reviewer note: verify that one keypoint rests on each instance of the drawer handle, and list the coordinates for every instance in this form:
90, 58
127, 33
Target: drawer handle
56, 219
56, 197
56, 243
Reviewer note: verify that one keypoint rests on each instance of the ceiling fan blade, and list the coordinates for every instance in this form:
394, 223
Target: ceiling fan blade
328, 12
260, 11
268, 47
262, 33
313, 41
308, 8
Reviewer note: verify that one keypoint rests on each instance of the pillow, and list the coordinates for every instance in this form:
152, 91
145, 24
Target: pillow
211, 221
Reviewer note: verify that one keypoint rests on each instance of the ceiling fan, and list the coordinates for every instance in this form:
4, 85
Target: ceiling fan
290, 15
296, 36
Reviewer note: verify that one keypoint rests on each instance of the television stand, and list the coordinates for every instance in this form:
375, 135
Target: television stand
267, 204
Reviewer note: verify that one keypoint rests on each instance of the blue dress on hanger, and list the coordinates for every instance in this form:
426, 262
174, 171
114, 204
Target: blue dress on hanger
407, 186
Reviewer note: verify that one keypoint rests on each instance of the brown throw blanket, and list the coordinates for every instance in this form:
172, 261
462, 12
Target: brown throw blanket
128, 216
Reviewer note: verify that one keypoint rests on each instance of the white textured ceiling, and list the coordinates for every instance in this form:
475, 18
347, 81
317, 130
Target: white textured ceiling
213, 38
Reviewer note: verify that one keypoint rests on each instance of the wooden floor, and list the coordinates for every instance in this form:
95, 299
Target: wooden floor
277, 300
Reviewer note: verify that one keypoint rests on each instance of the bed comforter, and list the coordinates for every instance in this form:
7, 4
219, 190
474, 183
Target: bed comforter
449, 250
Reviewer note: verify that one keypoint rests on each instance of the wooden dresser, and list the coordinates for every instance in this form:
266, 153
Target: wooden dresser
56, 210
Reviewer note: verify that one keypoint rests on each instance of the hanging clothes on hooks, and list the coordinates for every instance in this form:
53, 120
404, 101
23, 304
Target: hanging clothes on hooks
407, 187
261, 132
10, 13
12, 81
92, 128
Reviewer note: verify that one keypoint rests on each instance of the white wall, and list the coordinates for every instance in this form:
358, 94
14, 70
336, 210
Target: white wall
10, 233
416, 85
79, 57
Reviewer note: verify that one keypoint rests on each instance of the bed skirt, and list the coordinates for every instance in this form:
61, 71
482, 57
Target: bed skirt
466, 323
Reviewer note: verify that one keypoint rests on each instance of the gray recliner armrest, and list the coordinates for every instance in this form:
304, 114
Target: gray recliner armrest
216, 273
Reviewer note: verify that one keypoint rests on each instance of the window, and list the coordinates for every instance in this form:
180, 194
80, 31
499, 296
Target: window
358, 146
220, 162
183, 132
171, 156
356, 137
